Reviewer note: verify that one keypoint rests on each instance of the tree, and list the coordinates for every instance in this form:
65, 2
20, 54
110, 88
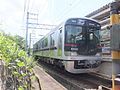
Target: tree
20, 41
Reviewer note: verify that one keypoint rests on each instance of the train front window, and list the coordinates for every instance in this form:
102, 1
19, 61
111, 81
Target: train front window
73, 34
94, 34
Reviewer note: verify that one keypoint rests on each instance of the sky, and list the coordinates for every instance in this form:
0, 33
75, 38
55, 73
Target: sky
53, 12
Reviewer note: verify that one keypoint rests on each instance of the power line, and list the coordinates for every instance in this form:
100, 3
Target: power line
42, 24
25, 6
67, 11
28, 5
39, 28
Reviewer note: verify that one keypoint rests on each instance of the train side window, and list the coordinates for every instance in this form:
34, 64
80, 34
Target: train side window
36, 46
60, 39
45, 42
42, 44
52, 39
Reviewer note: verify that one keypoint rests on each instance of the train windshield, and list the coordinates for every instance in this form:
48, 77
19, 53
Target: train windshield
72, 34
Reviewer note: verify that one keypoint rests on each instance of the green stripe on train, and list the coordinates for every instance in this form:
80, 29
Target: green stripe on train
51, 53
59, 53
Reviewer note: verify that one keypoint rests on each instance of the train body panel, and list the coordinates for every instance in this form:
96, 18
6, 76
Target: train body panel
75, 40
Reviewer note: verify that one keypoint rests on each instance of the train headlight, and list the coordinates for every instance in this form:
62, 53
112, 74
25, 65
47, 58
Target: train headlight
92, 62
73, 54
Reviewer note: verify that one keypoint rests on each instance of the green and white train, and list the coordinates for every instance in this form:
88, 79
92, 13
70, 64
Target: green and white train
74, 45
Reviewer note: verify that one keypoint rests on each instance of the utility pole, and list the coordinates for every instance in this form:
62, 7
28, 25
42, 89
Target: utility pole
30, 20
26, 44
115, 42
29, 50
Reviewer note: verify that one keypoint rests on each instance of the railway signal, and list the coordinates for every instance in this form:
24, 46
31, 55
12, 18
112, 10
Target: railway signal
115, 42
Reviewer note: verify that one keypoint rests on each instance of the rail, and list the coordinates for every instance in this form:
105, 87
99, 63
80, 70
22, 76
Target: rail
102, 87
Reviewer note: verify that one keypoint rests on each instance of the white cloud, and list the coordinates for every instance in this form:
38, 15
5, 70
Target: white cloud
11, 13
38, 6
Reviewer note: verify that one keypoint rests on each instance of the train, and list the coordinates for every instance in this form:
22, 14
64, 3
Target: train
73, 45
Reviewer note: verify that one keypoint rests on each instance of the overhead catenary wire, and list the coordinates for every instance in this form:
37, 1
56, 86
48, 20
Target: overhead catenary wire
31, 15
67, 11
26, 7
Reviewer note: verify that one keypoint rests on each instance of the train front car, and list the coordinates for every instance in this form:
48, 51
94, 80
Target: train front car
82, 45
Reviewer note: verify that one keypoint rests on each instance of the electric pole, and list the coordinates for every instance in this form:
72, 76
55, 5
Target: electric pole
26, 44
30, 20
115, 42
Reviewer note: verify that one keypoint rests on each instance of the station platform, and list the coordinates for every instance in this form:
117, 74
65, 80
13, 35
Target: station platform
46, 81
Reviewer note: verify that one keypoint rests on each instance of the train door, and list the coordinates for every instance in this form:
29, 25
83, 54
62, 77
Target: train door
59, 53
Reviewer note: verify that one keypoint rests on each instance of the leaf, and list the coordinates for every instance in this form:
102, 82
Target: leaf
20, 88
20, 64
24, 74
15, 73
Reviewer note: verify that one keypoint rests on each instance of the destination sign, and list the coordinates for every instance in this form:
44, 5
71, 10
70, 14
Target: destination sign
76, 21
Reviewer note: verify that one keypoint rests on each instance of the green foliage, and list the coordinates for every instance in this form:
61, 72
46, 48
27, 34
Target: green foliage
20, 41
8, 48
20, 88
15, 58
20, 64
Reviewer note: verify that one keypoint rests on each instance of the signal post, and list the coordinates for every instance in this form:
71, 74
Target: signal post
115, 42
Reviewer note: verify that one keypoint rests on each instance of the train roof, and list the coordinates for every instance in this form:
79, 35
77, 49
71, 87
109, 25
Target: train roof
84, 18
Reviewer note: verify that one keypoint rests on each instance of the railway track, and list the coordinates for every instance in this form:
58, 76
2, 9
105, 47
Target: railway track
76, 81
